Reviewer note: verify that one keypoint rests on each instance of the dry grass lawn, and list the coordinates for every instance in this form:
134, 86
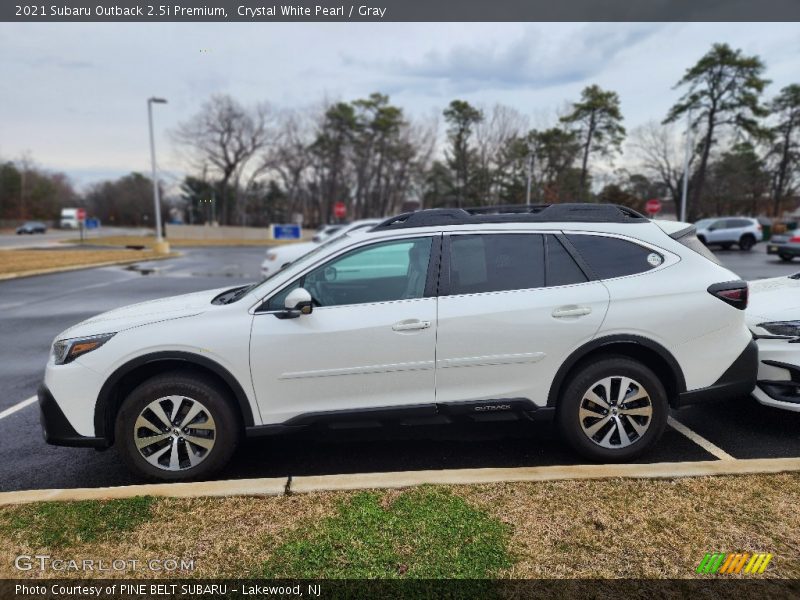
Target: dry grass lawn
130, 240
25, 261
611, 528
645, 528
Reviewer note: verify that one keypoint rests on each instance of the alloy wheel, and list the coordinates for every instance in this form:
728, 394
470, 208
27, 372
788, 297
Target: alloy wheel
615, 412
175, 433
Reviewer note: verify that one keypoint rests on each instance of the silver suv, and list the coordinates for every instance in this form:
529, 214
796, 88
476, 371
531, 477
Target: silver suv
727, 231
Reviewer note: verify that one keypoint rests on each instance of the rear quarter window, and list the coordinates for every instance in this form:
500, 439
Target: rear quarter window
610, 257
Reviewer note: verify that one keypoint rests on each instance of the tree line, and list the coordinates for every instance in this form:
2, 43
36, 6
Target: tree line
254, 164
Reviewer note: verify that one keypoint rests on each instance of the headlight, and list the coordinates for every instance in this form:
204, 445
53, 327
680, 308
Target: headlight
787, 328
65, 351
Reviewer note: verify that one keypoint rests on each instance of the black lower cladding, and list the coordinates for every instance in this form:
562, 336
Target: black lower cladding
473, 410
738, 380
57, 430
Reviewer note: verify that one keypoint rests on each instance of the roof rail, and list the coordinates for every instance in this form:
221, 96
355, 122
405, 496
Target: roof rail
514, 213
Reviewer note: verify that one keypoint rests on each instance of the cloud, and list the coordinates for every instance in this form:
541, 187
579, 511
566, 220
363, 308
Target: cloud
533, 59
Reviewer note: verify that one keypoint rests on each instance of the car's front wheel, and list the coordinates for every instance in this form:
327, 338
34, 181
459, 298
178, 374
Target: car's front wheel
613, 409
177, 426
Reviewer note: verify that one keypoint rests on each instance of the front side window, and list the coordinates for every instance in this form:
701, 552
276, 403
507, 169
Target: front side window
613, 257
496, 262
378, 273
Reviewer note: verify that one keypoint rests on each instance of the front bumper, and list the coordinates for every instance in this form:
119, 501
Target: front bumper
738, 380
57, 430
778, 382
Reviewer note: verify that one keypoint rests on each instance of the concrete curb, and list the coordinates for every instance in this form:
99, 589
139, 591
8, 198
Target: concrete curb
110, 263
358, 481
231, 487
476, 476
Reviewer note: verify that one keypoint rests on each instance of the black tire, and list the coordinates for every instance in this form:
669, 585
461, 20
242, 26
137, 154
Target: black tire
747, 242
580, 383
786, 257
196, 388
702, 240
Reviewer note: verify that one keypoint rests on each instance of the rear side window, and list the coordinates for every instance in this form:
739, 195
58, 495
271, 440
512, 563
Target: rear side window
496, 262
561, 268
612, 257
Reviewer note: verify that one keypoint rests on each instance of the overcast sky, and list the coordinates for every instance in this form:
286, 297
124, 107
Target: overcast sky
73, 95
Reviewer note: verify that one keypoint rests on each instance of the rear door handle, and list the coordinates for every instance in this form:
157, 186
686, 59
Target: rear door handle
410, 325
565, 312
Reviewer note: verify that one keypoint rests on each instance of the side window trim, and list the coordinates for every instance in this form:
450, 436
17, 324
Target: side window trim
576, 256
431, 280
433, 277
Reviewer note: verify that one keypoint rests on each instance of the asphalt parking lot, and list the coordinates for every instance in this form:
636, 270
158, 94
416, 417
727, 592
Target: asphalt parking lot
33, 310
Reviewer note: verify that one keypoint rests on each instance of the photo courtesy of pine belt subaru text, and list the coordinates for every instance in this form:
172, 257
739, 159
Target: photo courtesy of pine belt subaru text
592, 315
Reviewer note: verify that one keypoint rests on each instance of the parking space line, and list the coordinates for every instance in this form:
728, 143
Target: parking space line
699, 440
19, 406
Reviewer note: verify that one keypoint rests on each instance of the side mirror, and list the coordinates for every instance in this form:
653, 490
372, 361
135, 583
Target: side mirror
297, 303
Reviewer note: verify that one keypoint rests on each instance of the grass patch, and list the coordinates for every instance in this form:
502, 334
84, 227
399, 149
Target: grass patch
28, 261
422, 533
630, 528
65, 524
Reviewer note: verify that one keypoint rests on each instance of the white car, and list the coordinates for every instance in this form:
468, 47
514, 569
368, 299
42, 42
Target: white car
280, 256
727, 231
590, 314
774, 319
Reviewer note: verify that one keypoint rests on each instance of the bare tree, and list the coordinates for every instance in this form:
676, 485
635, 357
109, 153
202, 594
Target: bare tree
659, 152
492, 138
225, 135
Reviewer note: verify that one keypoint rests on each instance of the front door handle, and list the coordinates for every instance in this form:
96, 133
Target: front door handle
411, 325
565, 312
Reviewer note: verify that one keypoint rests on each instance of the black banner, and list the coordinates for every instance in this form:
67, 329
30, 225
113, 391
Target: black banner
400, 10
165, 589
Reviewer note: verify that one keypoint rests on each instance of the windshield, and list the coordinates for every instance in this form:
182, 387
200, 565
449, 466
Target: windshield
703, 223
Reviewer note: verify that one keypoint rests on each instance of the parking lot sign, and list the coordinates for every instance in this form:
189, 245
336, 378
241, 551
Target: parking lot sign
286, 232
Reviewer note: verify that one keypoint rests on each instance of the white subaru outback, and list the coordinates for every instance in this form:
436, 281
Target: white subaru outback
591, 314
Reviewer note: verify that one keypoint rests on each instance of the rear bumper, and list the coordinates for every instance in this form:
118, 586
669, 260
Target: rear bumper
57, 430
788, 249
738, 380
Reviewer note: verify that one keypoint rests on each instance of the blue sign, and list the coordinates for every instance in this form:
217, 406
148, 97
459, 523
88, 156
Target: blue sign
286, 232
93, 223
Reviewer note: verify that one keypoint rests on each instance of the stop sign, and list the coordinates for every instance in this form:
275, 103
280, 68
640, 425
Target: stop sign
339, 210
81, 214
653, 206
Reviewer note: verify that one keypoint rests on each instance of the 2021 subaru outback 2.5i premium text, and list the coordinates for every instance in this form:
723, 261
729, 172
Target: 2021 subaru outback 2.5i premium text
591, 314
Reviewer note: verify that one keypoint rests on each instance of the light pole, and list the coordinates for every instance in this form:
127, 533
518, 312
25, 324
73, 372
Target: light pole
686, 156
156, 199
530, 174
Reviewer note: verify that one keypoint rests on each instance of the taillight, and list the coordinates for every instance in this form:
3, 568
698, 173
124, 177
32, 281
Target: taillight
759, 227
732, 292
795, 238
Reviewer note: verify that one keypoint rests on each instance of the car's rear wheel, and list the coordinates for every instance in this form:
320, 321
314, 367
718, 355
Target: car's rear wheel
613, 409
785, 257
747, 242
177, 426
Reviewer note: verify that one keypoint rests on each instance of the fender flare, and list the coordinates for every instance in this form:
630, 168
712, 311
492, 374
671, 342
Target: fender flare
106, 398
628, 339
